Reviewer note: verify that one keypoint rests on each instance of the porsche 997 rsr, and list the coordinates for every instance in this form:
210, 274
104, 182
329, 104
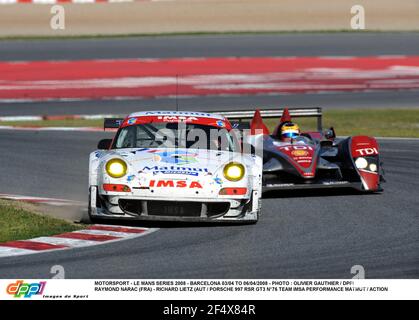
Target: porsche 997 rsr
175, 166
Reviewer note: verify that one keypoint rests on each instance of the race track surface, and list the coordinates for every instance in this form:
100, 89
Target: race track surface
312, 44
313, 235
294, 44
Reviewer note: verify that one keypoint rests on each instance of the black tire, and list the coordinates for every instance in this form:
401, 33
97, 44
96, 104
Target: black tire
89, 219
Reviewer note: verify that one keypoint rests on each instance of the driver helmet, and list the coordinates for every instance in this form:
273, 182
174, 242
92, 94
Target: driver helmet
289, 131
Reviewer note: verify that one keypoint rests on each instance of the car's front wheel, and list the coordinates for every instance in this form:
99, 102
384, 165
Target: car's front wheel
90, 219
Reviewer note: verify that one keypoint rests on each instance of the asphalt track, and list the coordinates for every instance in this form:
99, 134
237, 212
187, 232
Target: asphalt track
299, 235
378, 100
304, 44
293, 44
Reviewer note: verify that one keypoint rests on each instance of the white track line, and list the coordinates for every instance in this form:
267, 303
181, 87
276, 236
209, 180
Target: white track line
7, 251
42, 200
108, 233
65, 241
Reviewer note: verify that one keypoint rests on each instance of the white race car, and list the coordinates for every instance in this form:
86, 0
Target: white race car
174, 166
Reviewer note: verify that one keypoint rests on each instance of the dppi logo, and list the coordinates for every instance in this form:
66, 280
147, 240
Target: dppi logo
27, 290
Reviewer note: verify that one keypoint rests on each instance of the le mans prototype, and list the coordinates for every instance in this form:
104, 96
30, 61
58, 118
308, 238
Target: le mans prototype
295, 159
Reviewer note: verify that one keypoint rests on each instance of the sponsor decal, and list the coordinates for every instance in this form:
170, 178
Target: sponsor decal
300, 153
20, 289
220, 123
304, 160
177, 113
176, 157
175, 170
218, 180
367, 151
175, 184
132, 121
334, 182
280, 185
144, 150
177, 118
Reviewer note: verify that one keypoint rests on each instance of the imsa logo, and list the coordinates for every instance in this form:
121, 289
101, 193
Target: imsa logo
177, 118
175, 184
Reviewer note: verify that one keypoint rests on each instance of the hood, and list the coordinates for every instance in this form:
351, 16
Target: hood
193, 162
302, 157
183, 172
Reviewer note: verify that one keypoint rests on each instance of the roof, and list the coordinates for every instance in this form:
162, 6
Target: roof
177, 113
203, 118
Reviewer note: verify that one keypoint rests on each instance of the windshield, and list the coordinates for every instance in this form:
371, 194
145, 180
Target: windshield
303, 139
175, 135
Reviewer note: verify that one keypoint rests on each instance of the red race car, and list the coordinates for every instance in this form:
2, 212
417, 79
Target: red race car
295, 159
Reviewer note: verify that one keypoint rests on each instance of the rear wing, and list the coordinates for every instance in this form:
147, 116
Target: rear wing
276, 113
112, 123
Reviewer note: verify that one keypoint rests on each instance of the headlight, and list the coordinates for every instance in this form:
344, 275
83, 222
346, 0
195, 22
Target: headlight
116, 168
234, 171
373, 167
361, 163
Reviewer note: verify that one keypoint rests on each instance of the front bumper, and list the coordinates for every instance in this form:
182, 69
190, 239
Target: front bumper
158, 209
317, 185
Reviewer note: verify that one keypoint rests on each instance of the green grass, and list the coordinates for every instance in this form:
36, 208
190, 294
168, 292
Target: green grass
375, 122
17, 223
380, 123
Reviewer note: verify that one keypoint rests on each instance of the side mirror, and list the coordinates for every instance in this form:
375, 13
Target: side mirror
104, 144
330, 134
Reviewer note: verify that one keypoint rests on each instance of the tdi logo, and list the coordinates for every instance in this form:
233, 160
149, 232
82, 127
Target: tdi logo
27, 290
367, 151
